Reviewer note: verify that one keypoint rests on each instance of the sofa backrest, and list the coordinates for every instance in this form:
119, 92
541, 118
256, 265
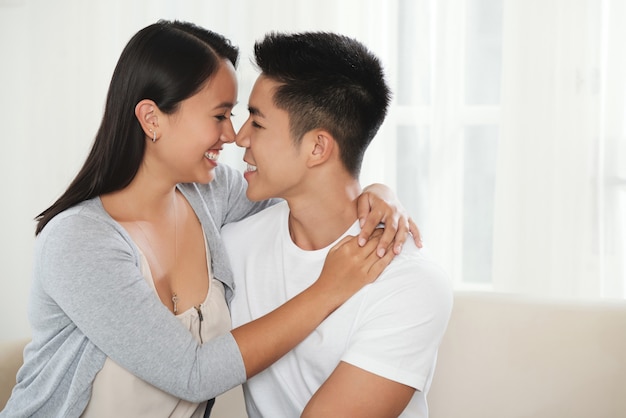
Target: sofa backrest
506, 356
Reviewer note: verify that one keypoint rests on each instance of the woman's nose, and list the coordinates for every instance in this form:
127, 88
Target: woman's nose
228, 136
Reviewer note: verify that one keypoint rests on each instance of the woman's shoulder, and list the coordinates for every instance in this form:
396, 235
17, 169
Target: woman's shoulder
86, 220
228, 188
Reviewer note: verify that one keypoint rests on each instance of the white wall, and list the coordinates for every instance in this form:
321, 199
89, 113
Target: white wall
50, 105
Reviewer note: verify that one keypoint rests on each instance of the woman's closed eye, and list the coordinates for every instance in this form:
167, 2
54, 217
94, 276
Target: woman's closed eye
224, 116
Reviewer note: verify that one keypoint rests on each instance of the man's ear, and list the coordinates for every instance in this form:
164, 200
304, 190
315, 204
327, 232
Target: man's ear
322, 146
146, 112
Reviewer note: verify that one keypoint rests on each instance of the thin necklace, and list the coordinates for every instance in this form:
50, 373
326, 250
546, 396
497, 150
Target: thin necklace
174, 294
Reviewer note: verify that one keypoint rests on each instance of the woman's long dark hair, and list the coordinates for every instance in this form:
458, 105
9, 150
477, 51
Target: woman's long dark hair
166, 62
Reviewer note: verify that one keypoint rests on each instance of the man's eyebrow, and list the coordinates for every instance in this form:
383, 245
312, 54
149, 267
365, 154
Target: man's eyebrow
255, 111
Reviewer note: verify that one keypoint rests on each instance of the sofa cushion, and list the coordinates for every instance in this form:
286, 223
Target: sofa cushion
514, 356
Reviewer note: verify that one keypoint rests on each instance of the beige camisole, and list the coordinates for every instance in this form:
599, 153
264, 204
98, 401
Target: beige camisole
118, 393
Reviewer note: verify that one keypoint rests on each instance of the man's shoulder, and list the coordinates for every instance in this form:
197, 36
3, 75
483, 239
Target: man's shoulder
415, 268
413, 286
414, 257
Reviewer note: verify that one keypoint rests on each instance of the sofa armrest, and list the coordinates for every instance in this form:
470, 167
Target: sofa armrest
11, 359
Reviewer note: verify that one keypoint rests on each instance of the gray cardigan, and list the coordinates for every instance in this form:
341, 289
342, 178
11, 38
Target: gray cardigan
89, 301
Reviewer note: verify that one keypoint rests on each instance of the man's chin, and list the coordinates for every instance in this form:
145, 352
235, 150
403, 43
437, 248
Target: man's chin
255, 197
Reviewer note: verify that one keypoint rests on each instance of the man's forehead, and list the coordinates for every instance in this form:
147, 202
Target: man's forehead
262, 96
264, 84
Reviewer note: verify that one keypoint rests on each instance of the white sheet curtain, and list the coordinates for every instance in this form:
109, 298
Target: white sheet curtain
506, 136
524, 185
559, 215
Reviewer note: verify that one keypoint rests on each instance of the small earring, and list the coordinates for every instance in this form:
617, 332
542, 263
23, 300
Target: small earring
153, 135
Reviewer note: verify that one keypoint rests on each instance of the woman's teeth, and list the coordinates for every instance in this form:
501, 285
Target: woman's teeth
211, 155
251, 167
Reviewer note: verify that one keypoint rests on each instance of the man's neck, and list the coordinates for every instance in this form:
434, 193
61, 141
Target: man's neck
320, 217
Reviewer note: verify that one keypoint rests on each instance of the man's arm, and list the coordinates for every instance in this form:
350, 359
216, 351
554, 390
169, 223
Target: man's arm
392, 352
353, 392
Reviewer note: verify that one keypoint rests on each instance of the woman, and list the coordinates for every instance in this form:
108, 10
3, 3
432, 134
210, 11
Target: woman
142, 219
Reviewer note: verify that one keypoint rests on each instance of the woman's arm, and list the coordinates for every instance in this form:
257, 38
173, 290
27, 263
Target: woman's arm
91, 275
377, 204
90, 271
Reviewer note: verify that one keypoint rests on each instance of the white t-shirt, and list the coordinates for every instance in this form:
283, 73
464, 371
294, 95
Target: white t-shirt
391, 327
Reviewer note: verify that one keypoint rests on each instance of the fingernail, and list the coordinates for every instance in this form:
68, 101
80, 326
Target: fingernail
380, 252
361, 222
362, 242
398, 249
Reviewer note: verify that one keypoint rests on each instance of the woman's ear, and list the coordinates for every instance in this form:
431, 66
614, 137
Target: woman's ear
146, 113
322, 147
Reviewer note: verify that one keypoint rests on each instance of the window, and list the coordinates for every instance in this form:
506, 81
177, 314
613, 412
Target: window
448, 97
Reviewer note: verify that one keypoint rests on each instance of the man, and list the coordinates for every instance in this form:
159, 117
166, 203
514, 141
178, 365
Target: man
317, 104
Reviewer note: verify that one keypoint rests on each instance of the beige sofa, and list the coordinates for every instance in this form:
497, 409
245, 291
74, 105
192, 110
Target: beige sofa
505, 356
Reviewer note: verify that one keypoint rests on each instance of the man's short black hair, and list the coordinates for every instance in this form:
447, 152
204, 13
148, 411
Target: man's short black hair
327, 81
